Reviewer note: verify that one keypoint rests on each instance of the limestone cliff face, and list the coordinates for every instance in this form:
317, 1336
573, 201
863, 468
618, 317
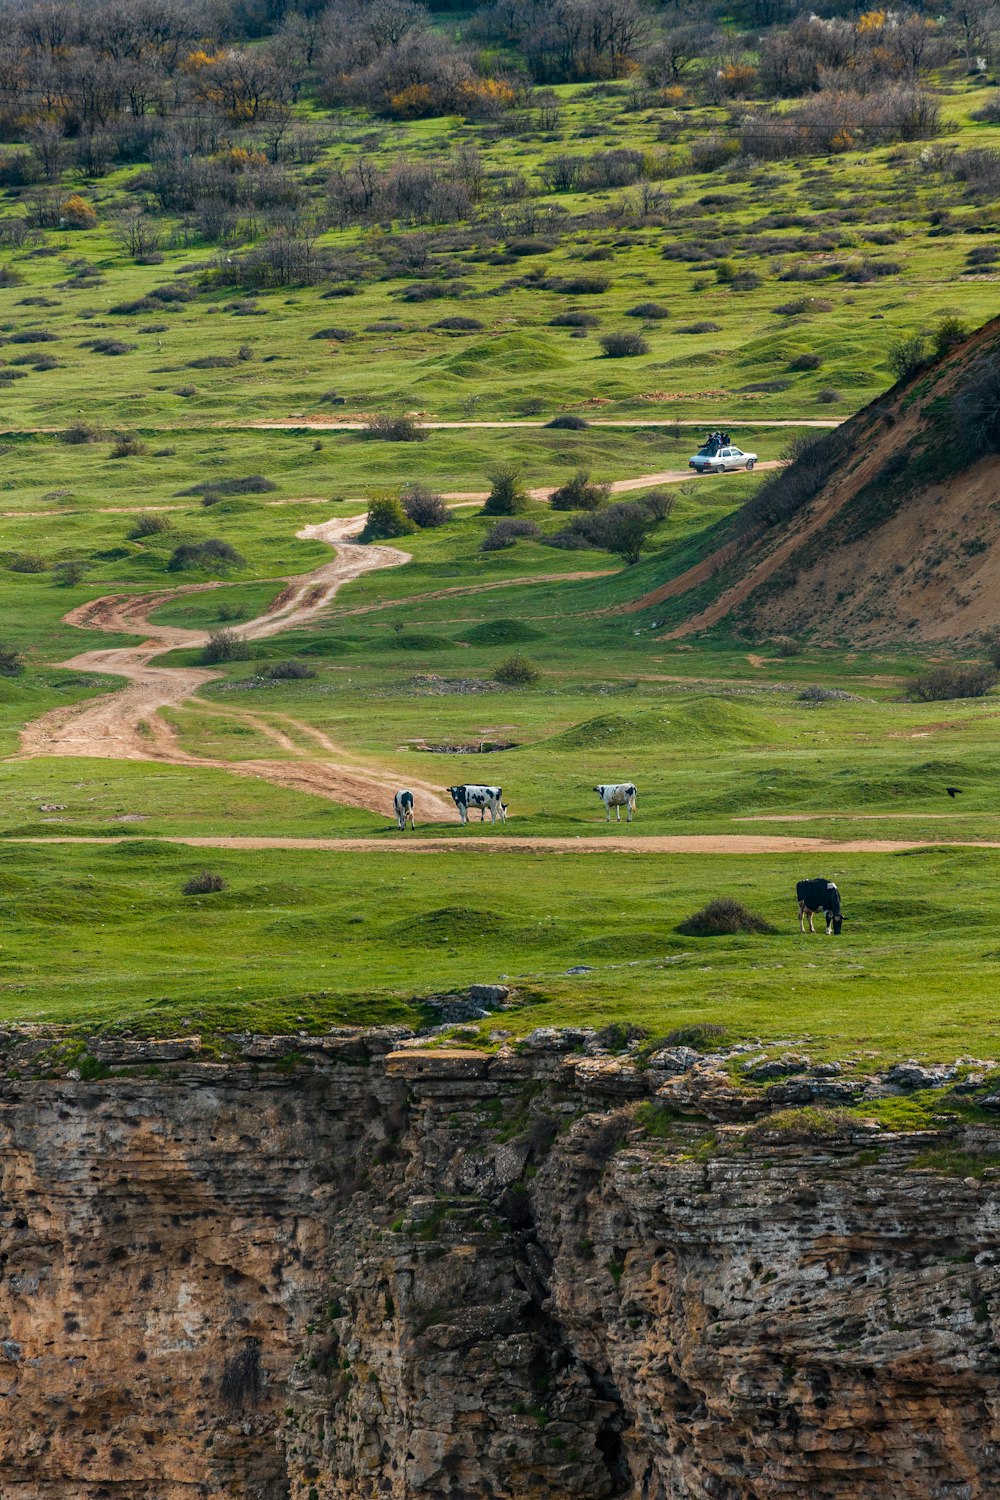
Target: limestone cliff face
371, 1270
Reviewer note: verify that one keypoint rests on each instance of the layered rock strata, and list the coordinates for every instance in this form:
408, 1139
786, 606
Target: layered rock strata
356, 1267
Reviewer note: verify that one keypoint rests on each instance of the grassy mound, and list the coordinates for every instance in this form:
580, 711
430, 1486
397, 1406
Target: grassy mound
502, 633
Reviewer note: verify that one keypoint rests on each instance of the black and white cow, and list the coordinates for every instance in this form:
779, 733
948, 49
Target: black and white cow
819, 896
486, 798
402, 806
617, 795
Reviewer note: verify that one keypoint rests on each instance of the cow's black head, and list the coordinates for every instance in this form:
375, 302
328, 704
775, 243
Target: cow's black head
835, 921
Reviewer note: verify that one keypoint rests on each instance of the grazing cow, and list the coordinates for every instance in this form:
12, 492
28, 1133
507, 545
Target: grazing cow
617, 795
402, 806
819, 896
486, 798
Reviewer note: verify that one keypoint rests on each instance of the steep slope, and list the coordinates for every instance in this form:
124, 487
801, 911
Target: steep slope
886, 530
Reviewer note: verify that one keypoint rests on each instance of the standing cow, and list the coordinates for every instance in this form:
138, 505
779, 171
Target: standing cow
819, 896
486, 798
617, 795
402, 806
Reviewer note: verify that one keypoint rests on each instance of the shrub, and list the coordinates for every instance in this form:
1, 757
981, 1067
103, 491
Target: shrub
787, 645
112, 346
70, 573
976, 404
623, 345
26, 562
953, 682
800, 305
424, 506
213, 490
517, 671
386, 518
805, 362
828, 396
11, 661
335, 335
700, 328
148, 523
289, 671
186, 390
79, 433
949, 332
579, 494
723, 917
653, 312
506, 533
76, 213
459, 325
507, 493
205, 884
907, 356
225, 645
568, 422
391, 429
658, 504
702, 1036
210, 554
814, 460
128, 447
575, 320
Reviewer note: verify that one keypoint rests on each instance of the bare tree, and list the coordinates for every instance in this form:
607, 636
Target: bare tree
136, 233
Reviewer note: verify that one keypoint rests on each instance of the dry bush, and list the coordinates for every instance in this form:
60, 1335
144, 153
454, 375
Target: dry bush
623, 344
506, 533
517, 671
579, 493
148, 523
390, 429
953, 682
424, 506
224, 645
204, 884
723, 917
568, 422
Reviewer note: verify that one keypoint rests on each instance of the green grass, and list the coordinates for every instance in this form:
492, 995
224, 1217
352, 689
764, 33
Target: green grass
97, 935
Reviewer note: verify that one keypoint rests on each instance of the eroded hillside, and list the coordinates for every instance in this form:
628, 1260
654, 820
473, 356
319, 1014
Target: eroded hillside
889, 529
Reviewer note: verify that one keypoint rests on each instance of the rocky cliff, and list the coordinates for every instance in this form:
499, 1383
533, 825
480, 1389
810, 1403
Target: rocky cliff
353, 1267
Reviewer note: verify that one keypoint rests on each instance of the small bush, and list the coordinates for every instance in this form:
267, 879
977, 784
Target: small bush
507, 493
907, 356
186, 390
459, 324
386, 518
70, 573
801, 305
787, 645
11, 661
949, 332
205, 884
336, 335
623, 345
112, 346
517, 671
953, 682
224, 645
506, 533
214, 362
79, 433
148, 523
805, 362
34, 336
723, 917
212, 555
575, 320
652, 312
658, 504
289, 671
700, 328
701, 1036
27, 562
424, 506
568, 422
808, 1123
391, 429
828, 396
579, 494
128, 447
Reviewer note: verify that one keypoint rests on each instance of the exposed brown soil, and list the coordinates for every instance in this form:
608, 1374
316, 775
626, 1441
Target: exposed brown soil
926, 573
128, 725
704, 843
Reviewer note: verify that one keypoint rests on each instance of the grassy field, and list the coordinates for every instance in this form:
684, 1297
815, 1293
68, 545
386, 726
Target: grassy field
715, 732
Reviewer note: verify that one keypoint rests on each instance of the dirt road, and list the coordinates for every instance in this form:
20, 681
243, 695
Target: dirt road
501, 842
128, 725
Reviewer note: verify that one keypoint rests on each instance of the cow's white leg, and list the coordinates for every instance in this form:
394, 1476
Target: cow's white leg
618, 812
811, 927
608, 818
629, 818
802, 917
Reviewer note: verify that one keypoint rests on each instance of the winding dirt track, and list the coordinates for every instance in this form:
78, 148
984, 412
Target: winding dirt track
127, 725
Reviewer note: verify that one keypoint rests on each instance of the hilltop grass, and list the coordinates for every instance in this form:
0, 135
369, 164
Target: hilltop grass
91, 934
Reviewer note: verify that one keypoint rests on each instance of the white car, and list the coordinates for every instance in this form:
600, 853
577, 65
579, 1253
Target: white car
715, 460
